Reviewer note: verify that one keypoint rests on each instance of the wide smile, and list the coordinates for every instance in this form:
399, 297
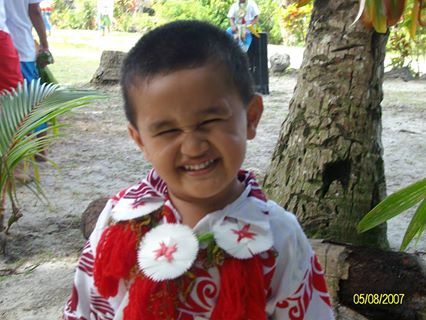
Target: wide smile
200, 168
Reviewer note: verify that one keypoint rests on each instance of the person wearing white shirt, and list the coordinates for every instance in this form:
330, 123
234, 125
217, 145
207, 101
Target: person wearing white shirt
242, 14
21, 16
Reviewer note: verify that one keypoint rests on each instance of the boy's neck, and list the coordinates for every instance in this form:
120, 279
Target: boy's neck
193, 211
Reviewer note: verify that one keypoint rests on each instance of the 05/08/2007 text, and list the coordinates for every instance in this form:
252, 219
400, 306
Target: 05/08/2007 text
378, 298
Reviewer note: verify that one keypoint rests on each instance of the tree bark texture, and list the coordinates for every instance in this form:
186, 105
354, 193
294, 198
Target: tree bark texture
109, 70
379, 275
327, 166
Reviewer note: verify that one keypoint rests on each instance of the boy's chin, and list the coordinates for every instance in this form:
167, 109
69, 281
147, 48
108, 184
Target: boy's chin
211, 193
197, 195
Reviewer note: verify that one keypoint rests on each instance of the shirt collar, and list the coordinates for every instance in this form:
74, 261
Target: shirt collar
151, 193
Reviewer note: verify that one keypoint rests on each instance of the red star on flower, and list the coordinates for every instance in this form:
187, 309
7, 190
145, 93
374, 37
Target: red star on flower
165, 251
244, 233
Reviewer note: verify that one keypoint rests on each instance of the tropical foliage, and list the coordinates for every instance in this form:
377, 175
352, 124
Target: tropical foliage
399, 43
294, 22
402, 49
78, 14
381, 14
22, 111
397, 203
129, 17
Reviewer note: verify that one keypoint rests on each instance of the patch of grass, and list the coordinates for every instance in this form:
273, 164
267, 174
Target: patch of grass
70, 70
77, 52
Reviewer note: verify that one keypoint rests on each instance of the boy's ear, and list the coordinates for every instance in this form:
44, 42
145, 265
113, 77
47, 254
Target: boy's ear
254, 113
135, 135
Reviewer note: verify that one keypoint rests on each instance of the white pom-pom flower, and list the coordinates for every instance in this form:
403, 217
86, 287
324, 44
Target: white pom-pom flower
127, 209
242, 240
167, 251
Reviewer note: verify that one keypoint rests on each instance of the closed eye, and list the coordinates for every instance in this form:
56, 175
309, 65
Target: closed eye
168, 131
210, 121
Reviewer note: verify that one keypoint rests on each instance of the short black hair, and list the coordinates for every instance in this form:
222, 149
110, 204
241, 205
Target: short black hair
180, 45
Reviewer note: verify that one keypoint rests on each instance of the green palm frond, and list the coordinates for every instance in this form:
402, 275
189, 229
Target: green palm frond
21, 112
17, 105
395, 204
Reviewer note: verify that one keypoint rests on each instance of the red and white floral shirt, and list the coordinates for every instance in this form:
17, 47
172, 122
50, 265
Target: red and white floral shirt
297, 288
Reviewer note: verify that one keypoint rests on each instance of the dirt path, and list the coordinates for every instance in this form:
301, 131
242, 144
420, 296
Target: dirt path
97, 159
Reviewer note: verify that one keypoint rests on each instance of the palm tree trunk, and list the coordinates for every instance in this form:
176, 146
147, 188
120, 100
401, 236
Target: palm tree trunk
327, 166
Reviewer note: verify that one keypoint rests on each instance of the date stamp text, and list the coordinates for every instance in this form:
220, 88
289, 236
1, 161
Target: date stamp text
378, 298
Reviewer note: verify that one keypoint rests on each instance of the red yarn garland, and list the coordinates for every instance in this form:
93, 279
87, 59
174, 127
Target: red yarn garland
242, 294
151, 300
115, 257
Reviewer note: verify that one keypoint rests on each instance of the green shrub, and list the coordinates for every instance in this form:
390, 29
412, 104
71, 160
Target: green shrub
137, 22
404, 50
399, 43
78, 14
123, 22
81, 14
87, 12
123, 7
169, 10
294, 23
268, 20
218, 12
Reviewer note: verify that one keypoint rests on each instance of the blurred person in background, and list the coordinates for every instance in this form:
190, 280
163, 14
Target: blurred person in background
243, 15
105, 15
46, 7
21, 17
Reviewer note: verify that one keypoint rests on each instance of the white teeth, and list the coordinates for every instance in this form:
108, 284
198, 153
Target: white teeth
200, 166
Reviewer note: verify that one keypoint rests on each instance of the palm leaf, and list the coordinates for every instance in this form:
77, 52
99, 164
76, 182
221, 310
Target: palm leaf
18, 105
360, 11
301, 3
417, 225
366, 19
397, 203
378, 16
21, 112
394, 10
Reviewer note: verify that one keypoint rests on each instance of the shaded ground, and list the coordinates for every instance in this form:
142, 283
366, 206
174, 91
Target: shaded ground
97, 159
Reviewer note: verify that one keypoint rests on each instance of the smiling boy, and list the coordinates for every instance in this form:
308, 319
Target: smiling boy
196, 239
192, 126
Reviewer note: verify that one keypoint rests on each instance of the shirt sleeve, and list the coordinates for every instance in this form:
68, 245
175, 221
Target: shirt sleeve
85, 302
231, 12
254, 9
310, 301
298, 287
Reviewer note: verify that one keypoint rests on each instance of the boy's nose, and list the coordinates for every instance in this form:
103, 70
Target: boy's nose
194, 144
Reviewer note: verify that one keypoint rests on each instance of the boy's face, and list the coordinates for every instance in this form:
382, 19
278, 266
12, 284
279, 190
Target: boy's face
192, 126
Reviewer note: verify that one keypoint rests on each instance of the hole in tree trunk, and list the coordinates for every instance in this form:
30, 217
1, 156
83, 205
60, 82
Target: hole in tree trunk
339, 170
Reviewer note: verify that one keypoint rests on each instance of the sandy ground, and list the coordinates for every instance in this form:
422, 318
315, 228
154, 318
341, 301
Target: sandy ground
97, 158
